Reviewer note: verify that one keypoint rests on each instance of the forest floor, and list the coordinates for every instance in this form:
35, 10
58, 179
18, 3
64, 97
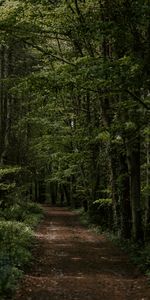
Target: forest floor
73, 263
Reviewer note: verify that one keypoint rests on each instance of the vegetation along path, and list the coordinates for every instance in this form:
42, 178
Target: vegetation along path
74, 263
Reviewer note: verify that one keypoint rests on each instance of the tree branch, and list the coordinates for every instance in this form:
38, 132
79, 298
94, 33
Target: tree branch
44, 33
48, 53
136, 98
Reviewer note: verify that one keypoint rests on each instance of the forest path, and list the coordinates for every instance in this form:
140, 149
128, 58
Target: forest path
73, 263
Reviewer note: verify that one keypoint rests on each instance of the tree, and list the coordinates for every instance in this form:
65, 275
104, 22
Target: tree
84, 103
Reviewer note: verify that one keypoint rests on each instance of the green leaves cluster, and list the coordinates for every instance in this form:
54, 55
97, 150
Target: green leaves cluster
14, 253
16, 237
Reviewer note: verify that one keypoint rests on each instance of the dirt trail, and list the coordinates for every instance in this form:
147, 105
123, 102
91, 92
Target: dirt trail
73, 263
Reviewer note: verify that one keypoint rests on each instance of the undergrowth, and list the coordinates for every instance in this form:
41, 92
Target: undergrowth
139, 255
16, 237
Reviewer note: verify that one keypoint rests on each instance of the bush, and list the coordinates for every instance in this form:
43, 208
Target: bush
139, 254
16, 235
22, 212
15, 239
8, 280
143, 259
33, 208
14, 212
32, 220
100, 213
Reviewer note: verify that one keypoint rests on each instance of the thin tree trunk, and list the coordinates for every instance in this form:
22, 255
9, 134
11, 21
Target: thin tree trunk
124, 194
114, 188
147, 204
2, 96
67, 195
133, 150
7, 108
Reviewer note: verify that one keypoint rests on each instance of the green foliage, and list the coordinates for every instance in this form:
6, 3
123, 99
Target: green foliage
8, 280
86, 221
13, 212
103, 202
139, 254
32, 220
78, 71
7, 174
100, 212
15, 239
33, 208
30, 213
84, 218
7, 187
15, 242
143, 259
6, 170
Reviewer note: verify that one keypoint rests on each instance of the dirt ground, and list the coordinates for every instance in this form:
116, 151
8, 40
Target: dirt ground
74, 263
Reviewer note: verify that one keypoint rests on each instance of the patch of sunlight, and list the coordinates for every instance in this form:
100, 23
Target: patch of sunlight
76, 258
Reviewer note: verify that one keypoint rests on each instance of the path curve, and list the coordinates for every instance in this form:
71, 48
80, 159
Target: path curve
73, 263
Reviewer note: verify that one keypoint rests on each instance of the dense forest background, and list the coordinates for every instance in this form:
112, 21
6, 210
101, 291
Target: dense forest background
74, 109
74, 118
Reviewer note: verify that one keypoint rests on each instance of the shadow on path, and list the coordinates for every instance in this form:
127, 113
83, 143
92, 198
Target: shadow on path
73, 263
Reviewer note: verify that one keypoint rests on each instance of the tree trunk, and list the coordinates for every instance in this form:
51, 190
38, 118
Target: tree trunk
42, 191
147, 200
133, 150
124, 195
114, 188
67, 194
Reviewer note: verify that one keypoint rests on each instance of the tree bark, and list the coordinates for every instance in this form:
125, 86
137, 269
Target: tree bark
124, 195
147, 200
133, 150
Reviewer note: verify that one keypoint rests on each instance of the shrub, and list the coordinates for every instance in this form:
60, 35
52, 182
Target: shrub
14, 212
139, 254
15, 239
22, 212
100, 212
33, 208
32, 220
8, 280
16, 235
144, 259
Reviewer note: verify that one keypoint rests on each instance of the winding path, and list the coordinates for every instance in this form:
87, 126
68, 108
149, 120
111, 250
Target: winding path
73, 263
